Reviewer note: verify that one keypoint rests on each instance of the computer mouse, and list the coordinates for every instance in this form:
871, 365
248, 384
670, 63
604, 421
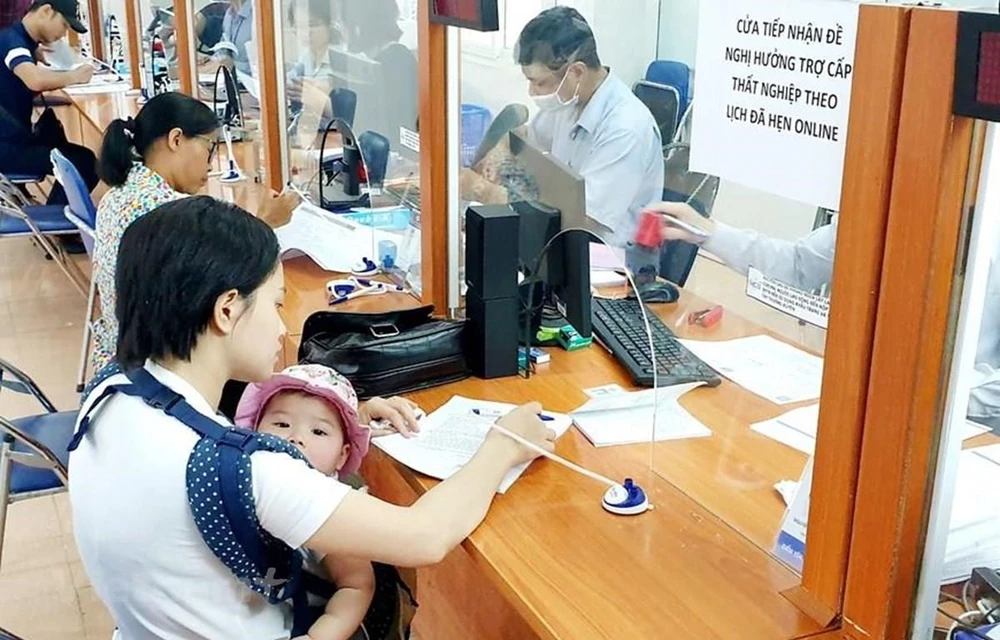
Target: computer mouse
657, 292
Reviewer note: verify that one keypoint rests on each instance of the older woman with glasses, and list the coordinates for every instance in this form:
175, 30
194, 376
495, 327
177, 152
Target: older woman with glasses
163, 154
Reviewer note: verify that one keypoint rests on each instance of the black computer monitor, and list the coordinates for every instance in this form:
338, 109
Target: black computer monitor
560, 205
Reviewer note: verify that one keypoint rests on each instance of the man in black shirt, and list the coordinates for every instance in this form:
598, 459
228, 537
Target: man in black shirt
22, 78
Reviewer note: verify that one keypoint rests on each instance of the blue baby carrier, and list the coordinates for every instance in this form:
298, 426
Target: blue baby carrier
220, 495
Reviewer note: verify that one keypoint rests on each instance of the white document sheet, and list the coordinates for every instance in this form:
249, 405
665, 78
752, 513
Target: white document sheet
111, 85
991, 453
450, 436
606, 278
974, 529
762, 365
797, 428
331, 241
627, 418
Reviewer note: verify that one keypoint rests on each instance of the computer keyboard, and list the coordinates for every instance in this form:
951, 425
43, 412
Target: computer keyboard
618, 325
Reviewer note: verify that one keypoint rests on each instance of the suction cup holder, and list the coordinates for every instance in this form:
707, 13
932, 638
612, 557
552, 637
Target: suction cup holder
626, 499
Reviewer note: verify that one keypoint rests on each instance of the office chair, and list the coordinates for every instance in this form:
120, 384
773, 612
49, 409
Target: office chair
83, 214
664, 103
672, 74
682, 185
20, 218
344, 105
33, 449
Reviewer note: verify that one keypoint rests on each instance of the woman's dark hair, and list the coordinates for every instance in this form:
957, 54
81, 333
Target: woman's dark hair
174, 263
127, 140
557, 37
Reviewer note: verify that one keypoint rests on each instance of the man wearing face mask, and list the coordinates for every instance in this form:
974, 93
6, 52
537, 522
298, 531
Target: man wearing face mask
590, 120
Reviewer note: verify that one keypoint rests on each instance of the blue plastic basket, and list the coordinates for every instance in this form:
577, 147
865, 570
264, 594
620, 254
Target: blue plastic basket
394, 219
475, 121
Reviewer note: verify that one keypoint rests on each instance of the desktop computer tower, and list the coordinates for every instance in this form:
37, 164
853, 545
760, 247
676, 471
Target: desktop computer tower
491, 302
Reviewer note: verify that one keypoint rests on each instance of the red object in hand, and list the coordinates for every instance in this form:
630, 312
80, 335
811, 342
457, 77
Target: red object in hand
648, 234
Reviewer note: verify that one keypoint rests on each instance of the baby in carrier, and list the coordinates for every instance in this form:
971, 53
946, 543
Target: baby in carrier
316, 409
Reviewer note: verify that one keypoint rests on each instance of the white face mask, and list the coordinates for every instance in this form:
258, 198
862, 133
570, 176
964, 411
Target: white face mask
552, 101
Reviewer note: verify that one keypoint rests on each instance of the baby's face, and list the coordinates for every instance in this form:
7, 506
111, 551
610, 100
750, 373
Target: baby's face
312, 425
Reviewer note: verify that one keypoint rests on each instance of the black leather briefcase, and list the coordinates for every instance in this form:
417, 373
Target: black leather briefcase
390, 353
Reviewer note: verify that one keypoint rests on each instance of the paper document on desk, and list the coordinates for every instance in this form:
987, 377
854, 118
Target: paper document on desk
797, 429
606, 278
974, 528
331, 241
450, 436
762, 365
627, 418
111, 85
249, 82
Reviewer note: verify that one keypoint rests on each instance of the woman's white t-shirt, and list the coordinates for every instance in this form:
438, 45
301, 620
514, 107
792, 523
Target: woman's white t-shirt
137, 538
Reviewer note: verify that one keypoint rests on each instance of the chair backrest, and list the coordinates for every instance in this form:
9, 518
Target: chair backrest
664, 103
673, 74
682, 185
344, 105
77, 194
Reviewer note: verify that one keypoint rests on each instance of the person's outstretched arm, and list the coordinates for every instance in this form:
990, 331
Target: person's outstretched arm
38, 78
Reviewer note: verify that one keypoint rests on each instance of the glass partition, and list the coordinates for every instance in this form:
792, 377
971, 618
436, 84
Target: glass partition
116, 35
351, 85
158, 54
962, 553
596, 114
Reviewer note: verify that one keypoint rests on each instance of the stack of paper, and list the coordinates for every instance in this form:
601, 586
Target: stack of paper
333, 242
627, 418
974, 535
762, 365
797, 429
450, 436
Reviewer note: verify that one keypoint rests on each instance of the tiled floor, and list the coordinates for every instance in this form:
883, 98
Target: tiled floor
44, 592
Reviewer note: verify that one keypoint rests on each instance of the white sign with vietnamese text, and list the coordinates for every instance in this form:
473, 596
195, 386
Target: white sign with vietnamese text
773, 93
804, 305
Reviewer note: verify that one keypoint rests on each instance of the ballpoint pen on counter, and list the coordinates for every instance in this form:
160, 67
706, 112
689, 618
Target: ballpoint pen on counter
491, 413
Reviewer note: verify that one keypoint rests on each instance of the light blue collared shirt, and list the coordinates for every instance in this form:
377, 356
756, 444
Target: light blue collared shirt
237, 28
615, 146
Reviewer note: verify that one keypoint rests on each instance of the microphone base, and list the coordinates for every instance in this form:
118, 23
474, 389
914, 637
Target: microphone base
626, 499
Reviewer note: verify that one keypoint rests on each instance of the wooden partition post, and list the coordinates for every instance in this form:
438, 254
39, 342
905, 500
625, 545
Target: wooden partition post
432, 48
864, 210
95, 16
270, 105
182, 27
911, 353
134, 36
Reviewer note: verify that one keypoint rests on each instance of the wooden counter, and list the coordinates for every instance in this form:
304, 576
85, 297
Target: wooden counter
549, 561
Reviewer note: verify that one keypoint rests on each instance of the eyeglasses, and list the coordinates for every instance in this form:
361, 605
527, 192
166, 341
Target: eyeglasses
213, 144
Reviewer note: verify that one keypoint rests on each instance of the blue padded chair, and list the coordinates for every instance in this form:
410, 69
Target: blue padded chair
663, 101
83, 214
33, 450
672, 74
19, 218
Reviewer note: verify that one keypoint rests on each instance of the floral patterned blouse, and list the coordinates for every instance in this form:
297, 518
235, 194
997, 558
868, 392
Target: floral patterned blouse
143, 191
